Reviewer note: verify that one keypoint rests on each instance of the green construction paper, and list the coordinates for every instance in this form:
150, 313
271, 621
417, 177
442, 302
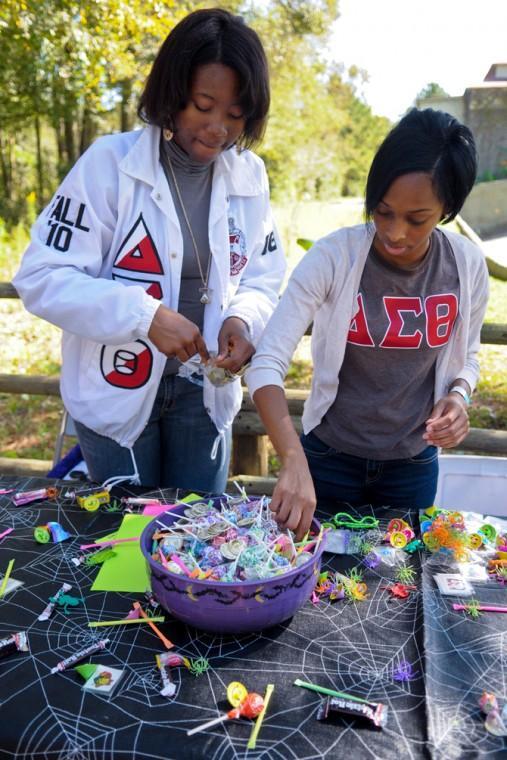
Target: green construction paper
128, 570
192, 497
86, 671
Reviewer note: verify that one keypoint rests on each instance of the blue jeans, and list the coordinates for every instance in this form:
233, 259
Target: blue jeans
341, 478
173, 451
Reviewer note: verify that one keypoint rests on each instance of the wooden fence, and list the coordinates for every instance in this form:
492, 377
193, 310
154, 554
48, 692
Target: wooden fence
250, 452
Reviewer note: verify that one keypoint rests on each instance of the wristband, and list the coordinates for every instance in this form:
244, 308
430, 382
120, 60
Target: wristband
462, 392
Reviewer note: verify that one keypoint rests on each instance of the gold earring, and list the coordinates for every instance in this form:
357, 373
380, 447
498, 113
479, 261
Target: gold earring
168, 134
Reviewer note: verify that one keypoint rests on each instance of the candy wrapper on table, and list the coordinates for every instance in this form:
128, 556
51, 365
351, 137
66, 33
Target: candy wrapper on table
224, 566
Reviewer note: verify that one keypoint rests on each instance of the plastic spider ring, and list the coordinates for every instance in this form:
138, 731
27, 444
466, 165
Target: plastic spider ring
475, 541
456, 518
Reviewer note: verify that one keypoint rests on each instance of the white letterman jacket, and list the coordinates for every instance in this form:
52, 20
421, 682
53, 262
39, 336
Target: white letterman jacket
108, 250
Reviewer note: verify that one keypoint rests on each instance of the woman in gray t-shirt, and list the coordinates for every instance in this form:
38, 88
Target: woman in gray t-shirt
397, 306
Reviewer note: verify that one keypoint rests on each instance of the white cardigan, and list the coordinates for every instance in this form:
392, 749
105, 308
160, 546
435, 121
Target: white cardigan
323, 289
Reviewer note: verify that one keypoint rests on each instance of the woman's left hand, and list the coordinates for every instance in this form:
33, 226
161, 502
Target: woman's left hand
448, 423
234, 345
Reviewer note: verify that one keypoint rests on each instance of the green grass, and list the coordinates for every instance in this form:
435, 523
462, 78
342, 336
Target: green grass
31, 346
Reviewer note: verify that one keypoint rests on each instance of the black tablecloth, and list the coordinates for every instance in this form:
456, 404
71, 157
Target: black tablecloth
347, 646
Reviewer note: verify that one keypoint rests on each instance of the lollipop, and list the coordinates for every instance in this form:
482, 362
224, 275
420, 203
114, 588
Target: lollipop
245, 705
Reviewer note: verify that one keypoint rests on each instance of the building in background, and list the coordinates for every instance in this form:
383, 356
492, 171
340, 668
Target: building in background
483, 108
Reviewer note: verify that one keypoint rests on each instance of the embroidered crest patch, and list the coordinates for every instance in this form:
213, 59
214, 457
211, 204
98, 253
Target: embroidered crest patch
237, 245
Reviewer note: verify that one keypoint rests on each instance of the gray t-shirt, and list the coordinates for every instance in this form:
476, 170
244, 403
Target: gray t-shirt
386, 382
194, 183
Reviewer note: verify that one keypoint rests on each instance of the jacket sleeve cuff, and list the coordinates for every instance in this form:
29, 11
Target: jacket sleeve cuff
148, 309
256, 378
246, 318
470, 375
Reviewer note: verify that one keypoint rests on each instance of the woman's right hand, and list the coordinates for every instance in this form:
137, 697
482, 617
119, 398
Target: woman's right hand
175, 335
294, 499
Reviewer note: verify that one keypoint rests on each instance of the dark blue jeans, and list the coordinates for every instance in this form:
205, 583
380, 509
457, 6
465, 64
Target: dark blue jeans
173, 451
344, 479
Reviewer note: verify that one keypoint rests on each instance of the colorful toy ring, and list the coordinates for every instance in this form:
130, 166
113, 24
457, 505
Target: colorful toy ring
91, 503
236, 693
488, 531
475, 541
430, 542
41, 534
398, 540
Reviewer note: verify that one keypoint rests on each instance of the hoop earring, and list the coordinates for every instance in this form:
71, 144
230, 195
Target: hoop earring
168, 134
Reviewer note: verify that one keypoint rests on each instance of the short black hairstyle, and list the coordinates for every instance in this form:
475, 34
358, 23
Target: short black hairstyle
207, 36
428, 141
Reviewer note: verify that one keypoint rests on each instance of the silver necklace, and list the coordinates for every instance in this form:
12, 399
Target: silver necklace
204, 291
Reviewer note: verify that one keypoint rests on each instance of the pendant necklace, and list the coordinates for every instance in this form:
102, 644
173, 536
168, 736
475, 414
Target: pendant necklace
205, 291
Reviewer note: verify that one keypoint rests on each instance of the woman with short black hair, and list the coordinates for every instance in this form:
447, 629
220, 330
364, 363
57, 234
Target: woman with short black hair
158, 252
204, 37
397, 306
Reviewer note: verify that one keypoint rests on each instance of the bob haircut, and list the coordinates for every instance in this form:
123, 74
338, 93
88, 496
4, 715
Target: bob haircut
208, 36
428, 141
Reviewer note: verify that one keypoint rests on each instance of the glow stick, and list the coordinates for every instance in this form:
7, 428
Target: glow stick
112, 542
126, 621
181, 565
6, 577
258, 723
329, 692
480, 607
6, 532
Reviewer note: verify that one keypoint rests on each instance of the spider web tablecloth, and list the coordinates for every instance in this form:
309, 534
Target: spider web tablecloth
348, 646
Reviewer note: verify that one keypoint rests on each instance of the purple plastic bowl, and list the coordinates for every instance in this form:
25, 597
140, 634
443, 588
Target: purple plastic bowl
230, 607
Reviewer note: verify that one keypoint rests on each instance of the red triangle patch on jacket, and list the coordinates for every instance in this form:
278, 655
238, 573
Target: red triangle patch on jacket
138, 253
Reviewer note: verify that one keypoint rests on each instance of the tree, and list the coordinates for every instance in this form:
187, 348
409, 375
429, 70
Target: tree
73, 69
431, 90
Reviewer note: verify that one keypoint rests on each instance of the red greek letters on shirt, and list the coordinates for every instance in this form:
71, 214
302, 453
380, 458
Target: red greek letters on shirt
437, 314
358, 331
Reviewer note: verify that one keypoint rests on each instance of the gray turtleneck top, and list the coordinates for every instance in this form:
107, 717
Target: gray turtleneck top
194, 183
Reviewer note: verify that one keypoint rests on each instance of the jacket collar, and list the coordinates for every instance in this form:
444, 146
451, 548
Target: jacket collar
142, 162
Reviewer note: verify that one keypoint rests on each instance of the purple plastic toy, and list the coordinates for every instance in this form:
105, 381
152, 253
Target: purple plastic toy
230, 607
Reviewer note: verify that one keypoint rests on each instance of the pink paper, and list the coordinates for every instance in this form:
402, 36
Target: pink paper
157, 509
